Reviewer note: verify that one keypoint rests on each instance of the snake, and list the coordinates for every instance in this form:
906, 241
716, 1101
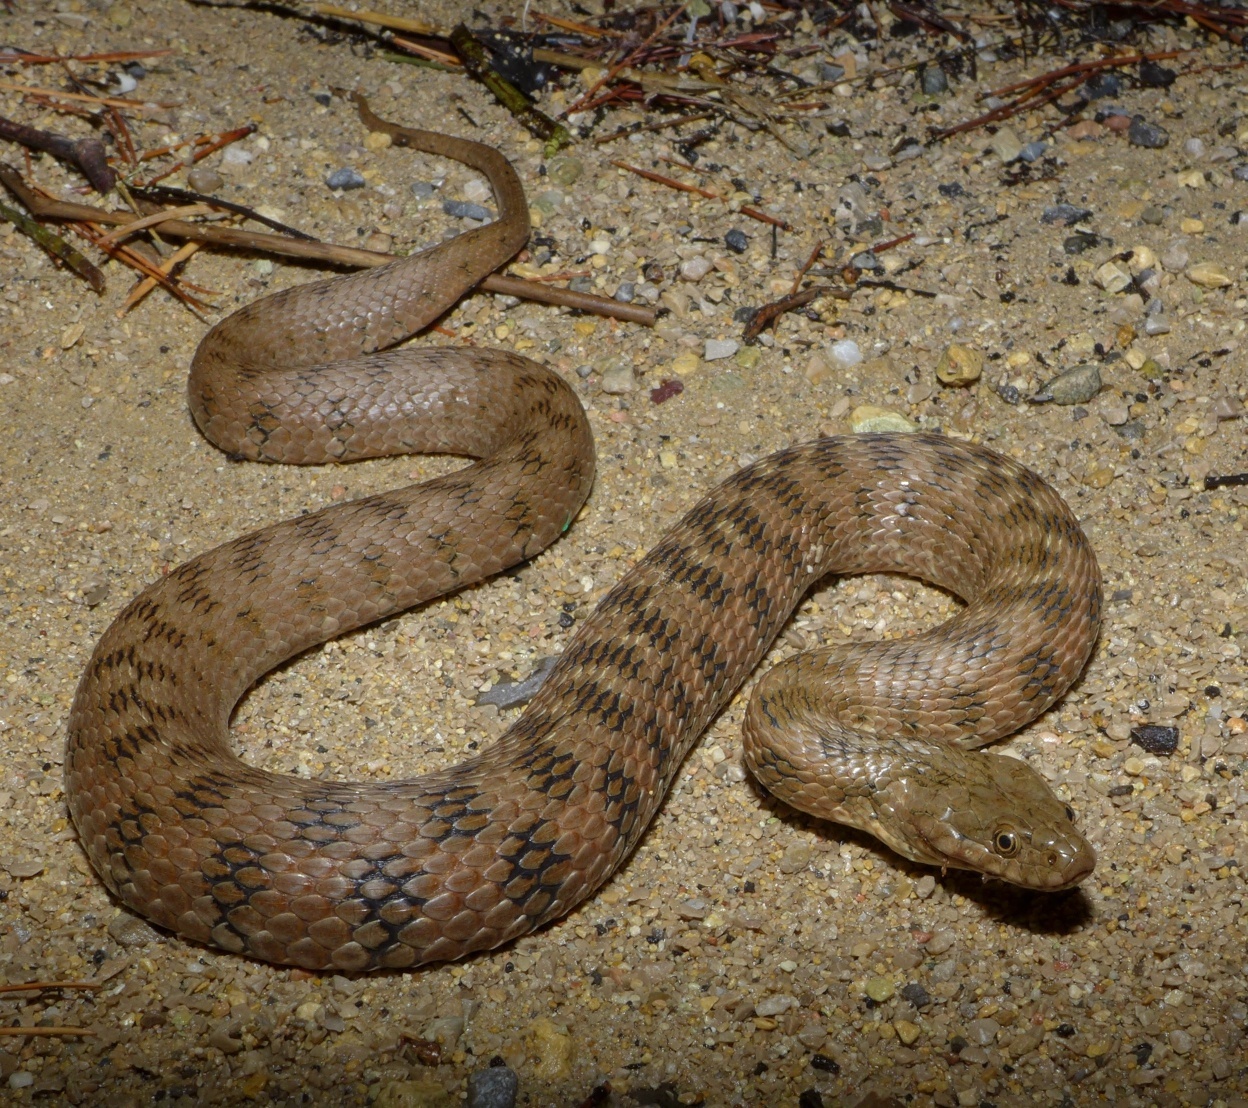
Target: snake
391, 874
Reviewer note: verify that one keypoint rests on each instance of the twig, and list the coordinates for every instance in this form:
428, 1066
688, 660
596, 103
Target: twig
381, 19
209, 146
1225, 480
477, 63
166, 267
428, 53
12, 57
56, 246
769, 313
623, 64
318, 251
87, 154
671, 182
47, 986
111, 101
639, 129
155, 219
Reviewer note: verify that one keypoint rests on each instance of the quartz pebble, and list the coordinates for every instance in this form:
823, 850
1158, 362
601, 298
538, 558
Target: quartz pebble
720, 348
844, 354
695, 268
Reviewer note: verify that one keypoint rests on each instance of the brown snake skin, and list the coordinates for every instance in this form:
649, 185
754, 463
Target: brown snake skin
366, 876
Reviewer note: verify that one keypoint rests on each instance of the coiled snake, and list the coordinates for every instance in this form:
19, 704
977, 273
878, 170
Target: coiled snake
364, 876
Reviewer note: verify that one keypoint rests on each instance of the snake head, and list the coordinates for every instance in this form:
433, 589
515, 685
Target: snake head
1001, 820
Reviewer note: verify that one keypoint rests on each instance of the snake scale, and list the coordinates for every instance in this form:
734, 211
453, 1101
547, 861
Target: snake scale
373, 875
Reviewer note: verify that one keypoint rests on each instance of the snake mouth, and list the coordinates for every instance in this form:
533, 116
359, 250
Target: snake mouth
1050, 867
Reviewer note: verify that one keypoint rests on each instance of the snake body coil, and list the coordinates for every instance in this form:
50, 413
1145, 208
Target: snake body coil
360, 876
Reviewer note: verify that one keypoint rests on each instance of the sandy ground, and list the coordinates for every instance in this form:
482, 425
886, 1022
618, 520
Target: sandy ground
745, 954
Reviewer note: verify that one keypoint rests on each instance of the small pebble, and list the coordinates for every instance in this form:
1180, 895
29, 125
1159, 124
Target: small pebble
1240, 172
720, 348
843, 354
1033, 151
959, 365
626, 293
916, 995
868, 417
464, 209
618, 379
1068, 214
423, 190
1101, 86
493, 1087
686, 364
1150, 135
202, 179
907, 1032
236, 158
933, 80
736, 241
880, 989
1176, 258
1075, 386
345, 179
1006, 145
1194, 148
1180, 1041
1209, 275
564, 171
1155, 75
1112, 277
694, 269
940, 942
1155, 738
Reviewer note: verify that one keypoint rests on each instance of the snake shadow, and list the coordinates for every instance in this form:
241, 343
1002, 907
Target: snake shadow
1042, 913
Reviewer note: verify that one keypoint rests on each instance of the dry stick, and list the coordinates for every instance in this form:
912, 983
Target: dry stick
381, 19
42, 986
56, 246
427, 53
1084, 67
623, 64
142, 224
110, 101
210, 146
319, 251
52, 59
810, 261
87, 154
671, 182
166, 267
769, 313
662, 124
477, 63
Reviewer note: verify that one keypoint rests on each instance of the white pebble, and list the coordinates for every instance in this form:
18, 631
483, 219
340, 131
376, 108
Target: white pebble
720, 348
696, 268
844, 354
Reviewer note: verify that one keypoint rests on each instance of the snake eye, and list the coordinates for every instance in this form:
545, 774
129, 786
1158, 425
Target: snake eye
1070, 813
1005, 843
